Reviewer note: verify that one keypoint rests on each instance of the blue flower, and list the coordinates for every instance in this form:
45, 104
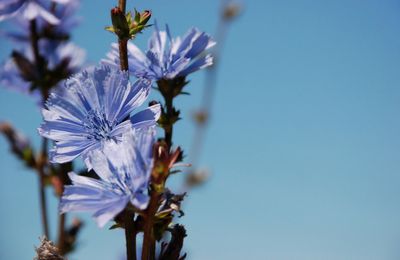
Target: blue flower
167, 58
28, 9
94, 107
65, 13
124, 169
68, 54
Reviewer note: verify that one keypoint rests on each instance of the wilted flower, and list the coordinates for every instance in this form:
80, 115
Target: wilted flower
94, 107
166, 58
124, 170
28, 9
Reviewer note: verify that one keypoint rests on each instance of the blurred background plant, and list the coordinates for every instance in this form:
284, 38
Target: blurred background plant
303, 151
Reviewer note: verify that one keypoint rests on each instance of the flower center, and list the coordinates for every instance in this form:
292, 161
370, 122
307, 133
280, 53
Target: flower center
98, 126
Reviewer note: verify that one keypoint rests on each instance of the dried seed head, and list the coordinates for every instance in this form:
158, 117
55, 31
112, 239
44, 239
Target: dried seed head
47, 251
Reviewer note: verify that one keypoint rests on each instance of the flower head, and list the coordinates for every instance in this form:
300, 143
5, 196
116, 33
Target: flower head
29, 10
124, 170
94, 107
167, 58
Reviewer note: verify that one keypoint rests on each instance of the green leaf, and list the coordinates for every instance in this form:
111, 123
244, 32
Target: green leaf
115, 226
110, 29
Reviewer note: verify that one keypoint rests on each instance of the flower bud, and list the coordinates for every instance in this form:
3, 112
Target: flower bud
119, 22
145, 17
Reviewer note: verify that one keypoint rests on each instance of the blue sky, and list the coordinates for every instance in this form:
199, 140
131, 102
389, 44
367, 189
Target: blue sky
304, 142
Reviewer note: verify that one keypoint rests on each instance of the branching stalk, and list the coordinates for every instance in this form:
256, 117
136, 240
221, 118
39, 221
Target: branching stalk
43, 153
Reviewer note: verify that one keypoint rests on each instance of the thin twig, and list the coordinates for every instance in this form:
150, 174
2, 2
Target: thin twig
42, 195
210, 86
34, 39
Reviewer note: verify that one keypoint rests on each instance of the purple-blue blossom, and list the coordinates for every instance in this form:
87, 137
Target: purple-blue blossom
93, 107
124, 169
166, 58
72, 55
29, 9
65, 14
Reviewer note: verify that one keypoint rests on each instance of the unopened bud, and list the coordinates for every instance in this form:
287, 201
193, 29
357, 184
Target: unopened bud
145, 17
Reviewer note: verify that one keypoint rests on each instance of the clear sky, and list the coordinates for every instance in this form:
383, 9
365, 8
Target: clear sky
303, 147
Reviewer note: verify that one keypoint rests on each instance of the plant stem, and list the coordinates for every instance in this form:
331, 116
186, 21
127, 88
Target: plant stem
130, 235
148, 250
42, 195
122, 5
149, 246
169, 129
123, 54
123, 43
130, 231
62, 173
61, 233
34, 39
209, 88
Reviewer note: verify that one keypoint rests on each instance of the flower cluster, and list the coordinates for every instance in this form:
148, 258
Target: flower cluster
91, 117
38, 68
